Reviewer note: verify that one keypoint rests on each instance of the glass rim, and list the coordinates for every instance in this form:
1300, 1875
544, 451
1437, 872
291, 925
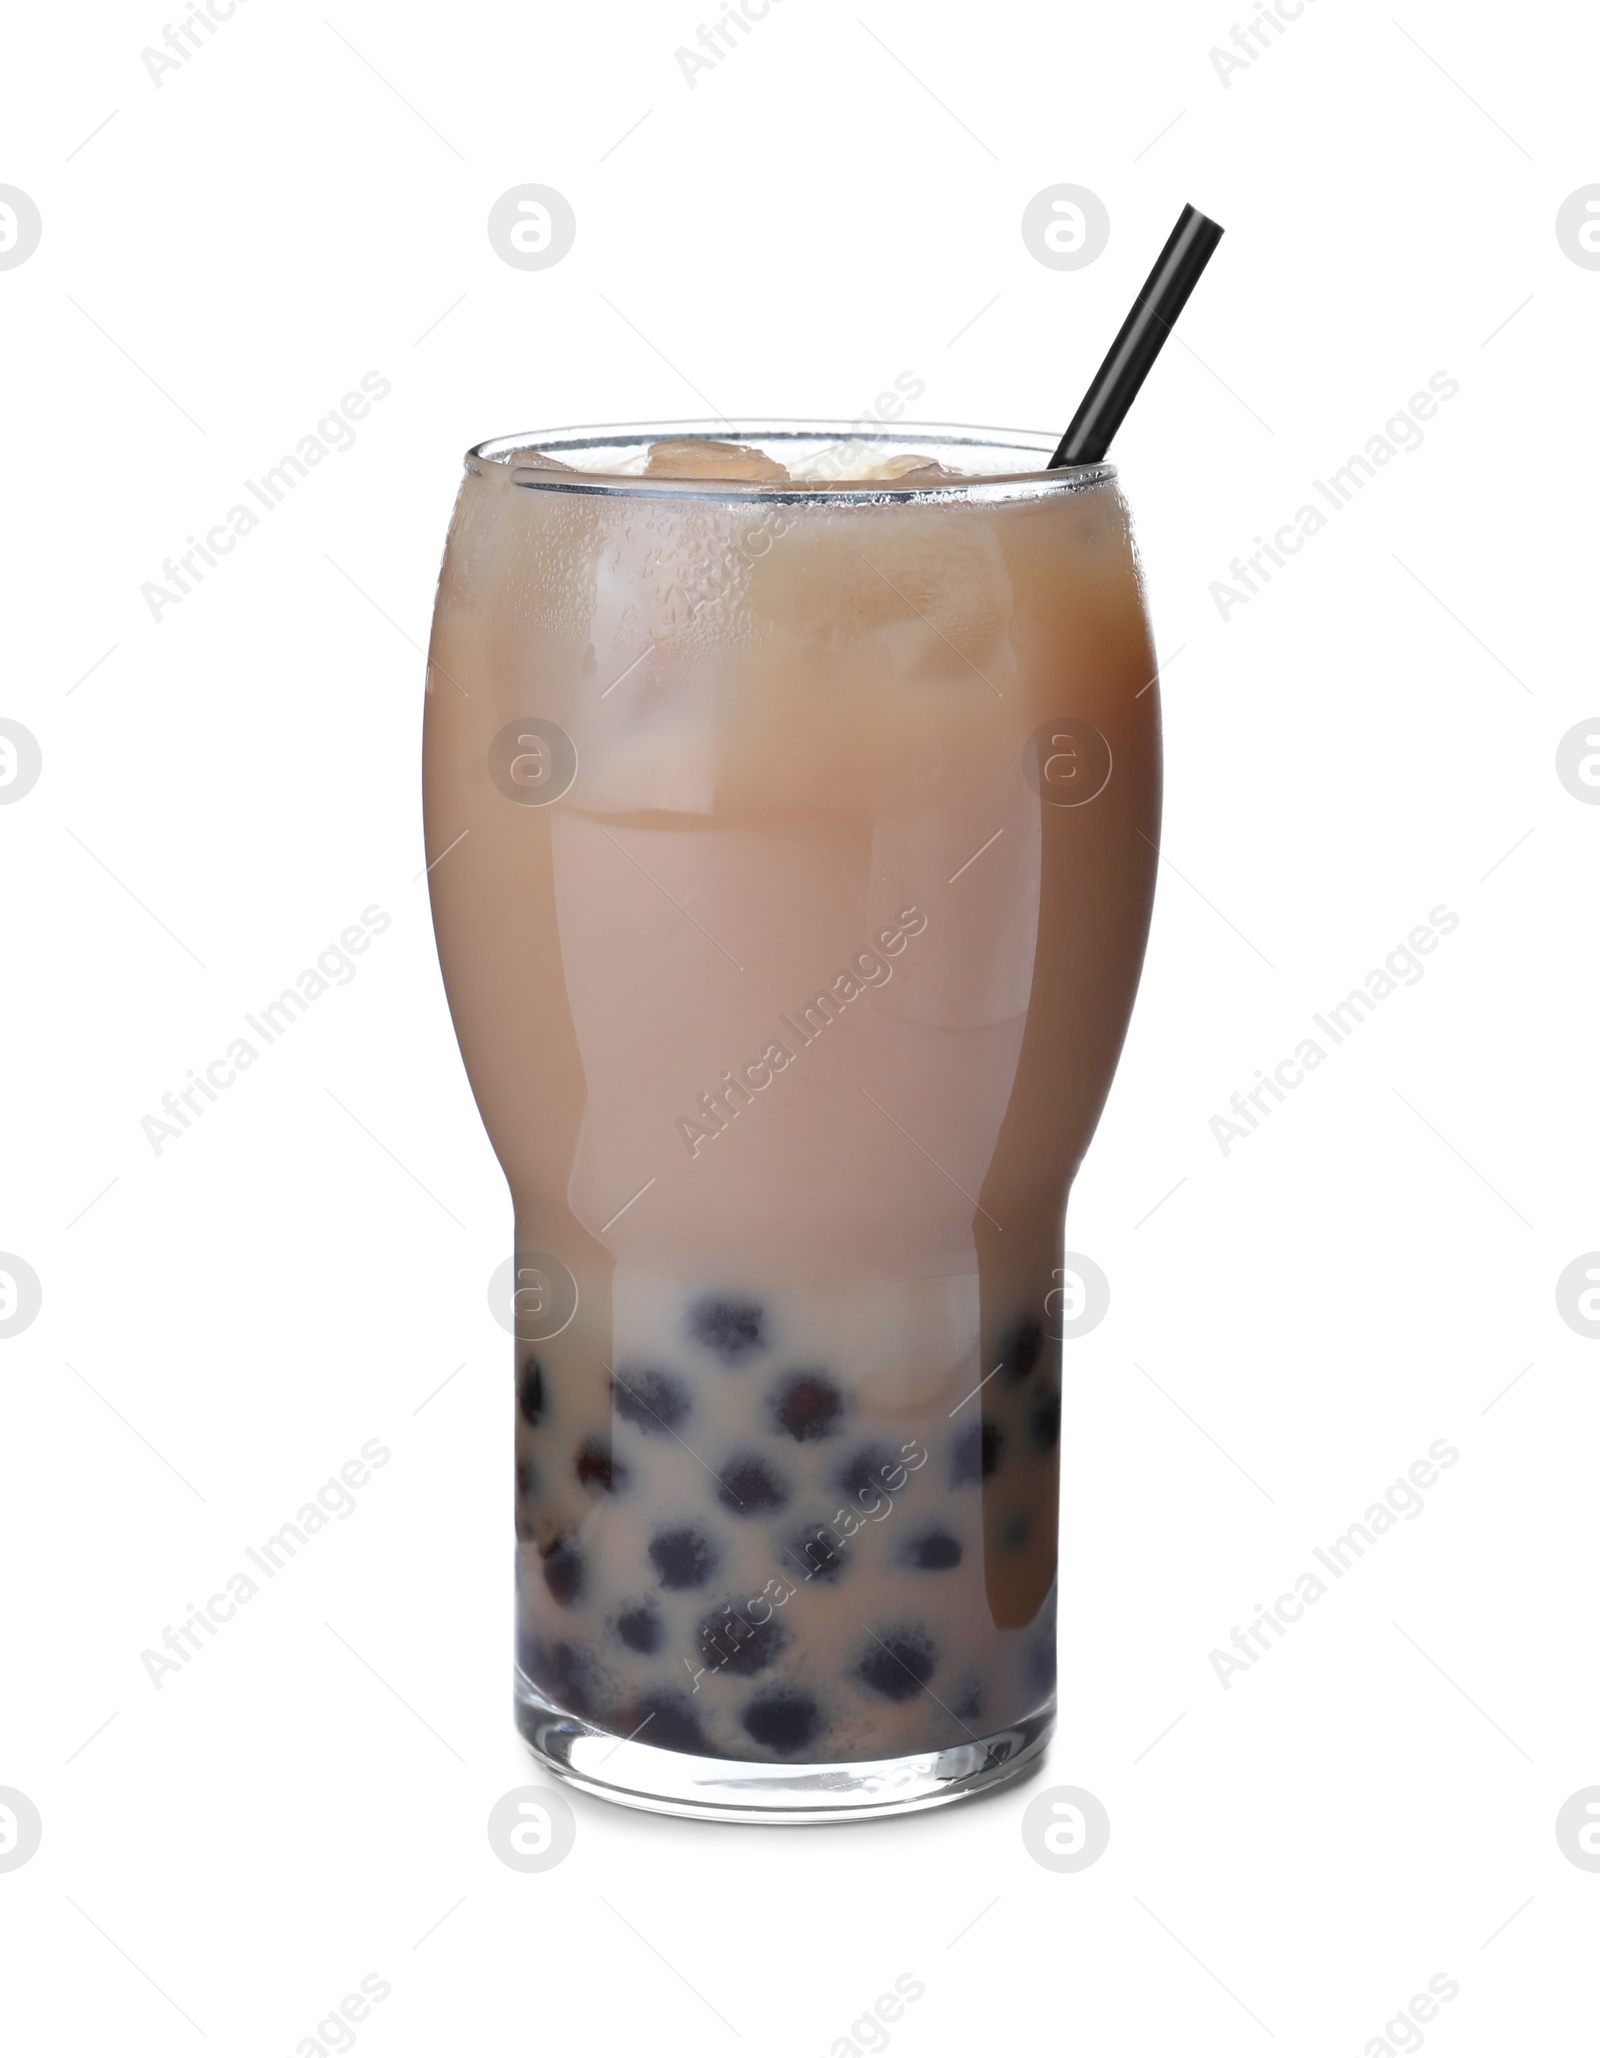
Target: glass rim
1021, 481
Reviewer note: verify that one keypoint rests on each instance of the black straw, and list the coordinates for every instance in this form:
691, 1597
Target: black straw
1113, 388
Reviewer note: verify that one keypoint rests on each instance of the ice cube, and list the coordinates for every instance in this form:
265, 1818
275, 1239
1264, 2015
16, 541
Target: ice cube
703, 457
915, 471
897, 467
835, 461
853, 463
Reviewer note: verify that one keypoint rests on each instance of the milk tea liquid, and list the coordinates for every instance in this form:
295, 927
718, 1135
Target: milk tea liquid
805, 861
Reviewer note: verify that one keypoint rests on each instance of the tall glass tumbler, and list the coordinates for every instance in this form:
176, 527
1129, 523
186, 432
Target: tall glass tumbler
793, 853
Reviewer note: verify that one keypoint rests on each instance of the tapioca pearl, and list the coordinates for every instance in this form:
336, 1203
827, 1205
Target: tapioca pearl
816, 1552
731, 1642
1013, 1533
730, 1328
932, 1550
564, 1571
654, 1402
640, 1628
527, 1479
807, 1406
897, 1663
967, 1698
665, 1719
783, 1721
1021, 1350
976, 1453
530, 1392
598, 1468
749, 1487
565, 1673
1044, 1421
684, 1558
1039, 1662
871, 1473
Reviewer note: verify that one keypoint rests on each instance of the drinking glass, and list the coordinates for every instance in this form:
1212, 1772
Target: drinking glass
793, 845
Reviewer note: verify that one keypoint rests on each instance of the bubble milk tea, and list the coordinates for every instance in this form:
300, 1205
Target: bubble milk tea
793, 837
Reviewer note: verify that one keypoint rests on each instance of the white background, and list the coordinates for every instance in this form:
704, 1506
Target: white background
225, 789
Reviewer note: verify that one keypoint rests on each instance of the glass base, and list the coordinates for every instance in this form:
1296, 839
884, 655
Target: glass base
736, 1790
